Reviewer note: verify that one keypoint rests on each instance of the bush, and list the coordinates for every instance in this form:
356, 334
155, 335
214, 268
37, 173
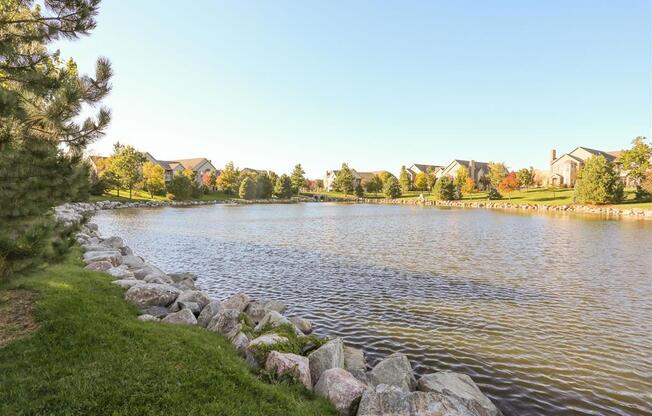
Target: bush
446, 190
247, 189
359, 192
392, 188
180, 187
598, 182
493, 194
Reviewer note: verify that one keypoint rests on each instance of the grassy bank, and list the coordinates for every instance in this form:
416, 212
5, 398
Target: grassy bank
112, 195
89, 355
538, 196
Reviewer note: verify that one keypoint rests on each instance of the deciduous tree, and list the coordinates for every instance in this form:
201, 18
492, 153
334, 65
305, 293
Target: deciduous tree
509, 184
180, 187
127, 164
153, 178
421, 181
229, 180
392, 188
636, 162
598, 182
526, 177
460, 177
497, 172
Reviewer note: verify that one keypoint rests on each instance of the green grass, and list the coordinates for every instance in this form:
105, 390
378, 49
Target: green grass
91, 356
137, 195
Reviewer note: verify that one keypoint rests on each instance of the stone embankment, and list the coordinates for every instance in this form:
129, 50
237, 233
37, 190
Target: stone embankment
261, 334
613, 212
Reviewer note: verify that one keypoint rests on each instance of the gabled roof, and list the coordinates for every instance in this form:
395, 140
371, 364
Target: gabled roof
597, 153
191, 164
423, 167
610, 156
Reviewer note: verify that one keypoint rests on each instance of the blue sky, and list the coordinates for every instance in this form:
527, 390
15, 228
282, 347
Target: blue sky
268, 84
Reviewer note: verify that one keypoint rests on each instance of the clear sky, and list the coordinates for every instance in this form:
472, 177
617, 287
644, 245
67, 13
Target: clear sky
377, 84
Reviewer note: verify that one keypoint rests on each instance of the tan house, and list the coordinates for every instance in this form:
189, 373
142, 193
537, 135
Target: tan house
476, 170
329, 179
564, 169
417, 168
199, 166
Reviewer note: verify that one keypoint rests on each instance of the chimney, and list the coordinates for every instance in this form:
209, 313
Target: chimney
553, 155
472, 169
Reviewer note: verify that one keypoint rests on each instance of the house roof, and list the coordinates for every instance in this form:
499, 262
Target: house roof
191, 164
609, 157
423, 167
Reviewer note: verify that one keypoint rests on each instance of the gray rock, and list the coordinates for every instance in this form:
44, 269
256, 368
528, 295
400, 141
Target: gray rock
461, 387
295, 365
113, 257
126, 251
272, 319
304, 325
329, 355
239, 302
255, 355
92, 226
152, 294
183, 317
147, 318
127, 283
96, 247
355, 363
240, 341
394, 370
133, 261
99, 266
259, 308
208, 313
113, 242
187, 284
178, 277
157, 311
342, 389
158, 278
196, 296
193, 306
120, 273
226, 322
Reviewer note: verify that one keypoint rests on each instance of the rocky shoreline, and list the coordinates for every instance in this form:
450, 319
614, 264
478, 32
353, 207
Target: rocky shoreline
611, 212
271, 343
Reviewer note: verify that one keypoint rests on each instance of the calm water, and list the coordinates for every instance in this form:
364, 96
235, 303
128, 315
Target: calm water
549, 315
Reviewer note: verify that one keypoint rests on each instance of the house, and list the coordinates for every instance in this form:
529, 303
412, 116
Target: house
564, 169
417, 168
199, 166
477, 170
329, 179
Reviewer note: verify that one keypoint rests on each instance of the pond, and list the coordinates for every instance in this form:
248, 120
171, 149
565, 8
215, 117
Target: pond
548, 314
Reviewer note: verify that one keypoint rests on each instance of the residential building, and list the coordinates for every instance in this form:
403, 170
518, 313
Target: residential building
199, 166
564, 169
476, 170
329, 179
417, 168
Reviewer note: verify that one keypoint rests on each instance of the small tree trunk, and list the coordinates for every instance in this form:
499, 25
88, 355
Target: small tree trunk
118, 188
130, 192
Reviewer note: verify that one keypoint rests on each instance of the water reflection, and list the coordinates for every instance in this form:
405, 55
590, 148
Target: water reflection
549, 314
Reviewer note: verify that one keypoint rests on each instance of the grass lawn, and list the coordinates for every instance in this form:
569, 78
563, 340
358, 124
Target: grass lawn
112, 195
90, 356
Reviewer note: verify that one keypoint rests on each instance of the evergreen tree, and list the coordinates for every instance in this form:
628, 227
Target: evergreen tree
229, 180
283, 187
264, 186
445, 189
598, 182
359, 192
127, 164
247, 189
297, 178
180, 187
392, 188
41, 139
404, 179
153, 178
344, 180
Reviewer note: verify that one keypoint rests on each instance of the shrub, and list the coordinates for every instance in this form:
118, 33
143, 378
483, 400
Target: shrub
598, 182
359, 192
180, 187
247, 189
493, 194
445, 189
392, 188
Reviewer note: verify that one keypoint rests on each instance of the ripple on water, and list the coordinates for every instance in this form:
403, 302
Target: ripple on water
548, 315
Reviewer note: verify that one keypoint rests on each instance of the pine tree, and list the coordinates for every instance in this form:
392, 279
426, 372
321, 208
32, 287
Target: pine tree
247, 189
264, 186
598, 182
392, 188
344, 180
297, 178
180, 187
404, 179
283, 187
41, 139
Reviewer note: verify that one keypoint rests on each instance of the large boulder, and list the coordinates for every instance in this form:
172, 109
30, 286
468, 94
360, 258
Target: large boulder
295, 365
341, 389
187, 284
113, 257
157, 311
240, 341
329, 355
394, 370
99, 266
194, 307
461, 387
355, 363
158, 278
113, 242
392, 401
226, 322
127, 283
208, 313
272, 319
152, 294
239, 302
257, 309
133, 261
120, 273
304, 325
196, 296
178, 277
258, 348
183, 317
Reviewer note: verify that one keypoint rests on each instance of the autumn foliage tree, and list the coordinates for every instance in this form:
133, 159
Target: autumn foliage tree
509, 184
153, 178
